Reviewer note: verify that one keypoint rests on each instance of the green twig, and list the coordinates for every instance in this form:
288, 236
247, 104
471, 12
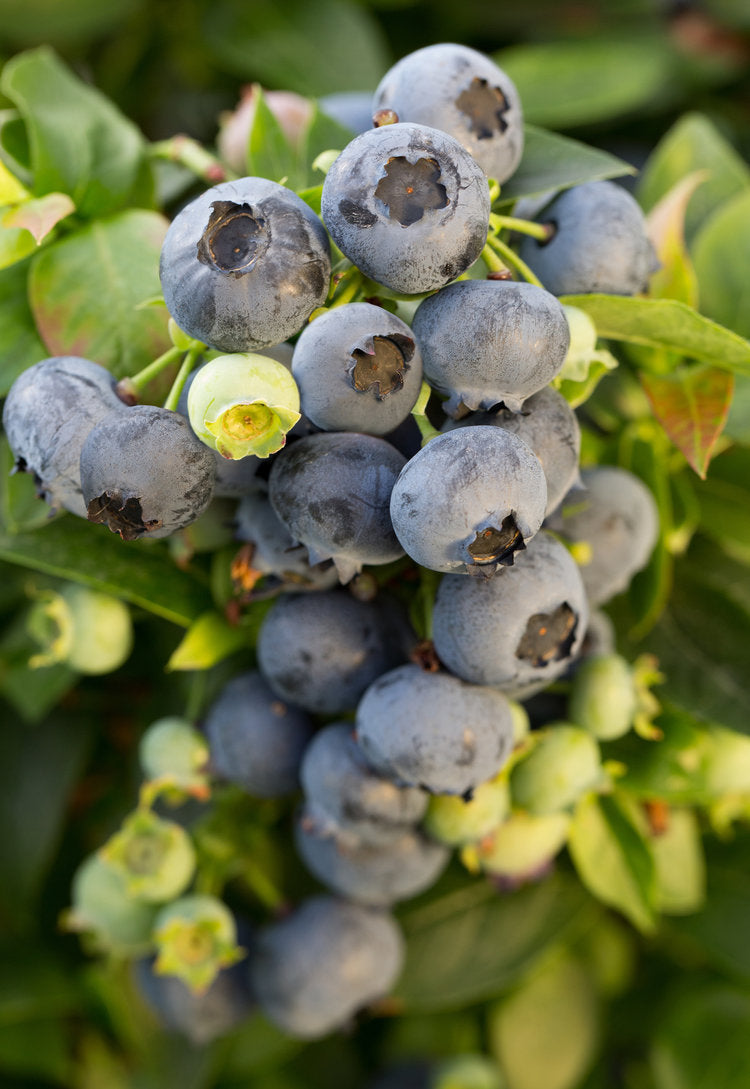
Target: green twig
194, 157
511, 258
540, 231
492, 261
153, 370
419, 412
183, 374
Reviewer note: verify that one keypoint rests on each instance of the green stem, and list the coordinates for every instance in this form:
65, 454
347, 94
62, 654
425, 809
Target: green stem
349, 291
511, 258
262, 886
183, 374
138, 381
419, 412
492, 261
539, 231
494, 190
194, 157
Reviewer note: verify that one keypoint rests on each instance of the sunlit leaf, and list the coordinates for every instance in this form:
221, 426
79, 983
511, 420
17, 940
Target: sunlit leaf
692, 405
41, 215
676, 279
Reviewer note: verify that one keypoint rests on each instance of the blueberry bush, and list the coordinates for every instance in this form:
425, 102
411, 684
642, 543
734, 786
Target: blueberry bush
374, 541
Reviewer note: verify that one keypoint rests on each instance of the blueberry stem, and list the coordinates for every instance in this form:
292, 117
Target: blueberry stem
539, 231
194, 157
188, 364
138, 381
512, 259
492, 261
419, 412
349, 290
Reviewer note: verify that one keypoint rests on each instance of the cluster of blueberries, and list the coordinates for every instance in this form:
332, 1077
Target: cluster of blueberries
439, 754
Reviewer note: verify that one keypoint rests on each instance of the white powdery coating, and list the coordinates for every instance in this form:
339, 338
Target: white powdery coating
616, 515
487, 341
433, 730
314, 970
478, 625
424, 87
428, 253
459, 484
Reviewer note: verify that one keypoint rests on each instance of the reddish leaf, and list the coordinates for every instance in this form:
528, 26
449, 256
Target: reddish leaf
676, 278
692, 406
40, 216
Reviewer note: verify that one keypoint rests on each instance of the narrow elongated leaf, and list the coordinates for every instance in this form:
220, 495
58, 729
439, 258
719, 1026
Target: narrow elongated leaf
694, 143
470, 944
134, 571
208, 640
269, 153
80, 143
721, 254
692, 405
667, 324
613, 859
85, 292
556, 162
676, 279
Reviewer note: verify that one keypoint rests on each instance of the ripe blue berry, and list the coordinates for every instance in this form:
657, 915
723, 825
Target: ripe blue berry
244, 265
408, 206
469, 500
461, 92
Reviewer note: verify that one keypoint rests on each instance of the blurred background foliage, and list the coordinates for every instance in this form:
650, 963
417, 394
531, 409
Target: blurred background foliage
569, 998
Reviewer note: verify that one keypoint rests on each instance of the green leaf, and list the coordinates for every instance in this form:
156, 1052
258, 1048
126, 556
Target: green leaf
680, 865
39, 216
702, 1043
40, 763
694, 143
137, 571
36, 1049
701, 640
80, 143
269, 153
664, 324
208, 640
672, 768
592, 78
15, 243
546, 1033
613, 859
676, 279
721, 254
725, 515
85, 290
11, 190
692, 405
20, 345
292, 45
470, 944
556, 162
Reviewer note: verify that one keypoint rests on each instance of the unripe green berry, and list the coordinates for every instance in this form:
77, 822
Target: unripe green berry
727, 762
604, 699
562, 764
521, 723
173, 753
195, 937
103, 909
467, 1072
524, 844
89, 631
243, 404
154, 857
453, 821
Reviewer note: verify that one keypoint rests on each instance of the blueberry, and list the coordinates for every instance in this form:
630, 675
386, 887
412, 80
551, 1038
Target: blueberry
358, 368
563, 763
616, 518
89, 631
470, 500
47, 415
173, 752
489, 341
203, 1017
408, 206
256, 739
433, 730
458, 821
599, 243
523, 846
144, 473
332, 491
314, 970
521, 628
548, 425
244, 265
367, 873
103, 909
154, 857
603, 697
345, 797
321, 651
352, 109
461, 92
273, 552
